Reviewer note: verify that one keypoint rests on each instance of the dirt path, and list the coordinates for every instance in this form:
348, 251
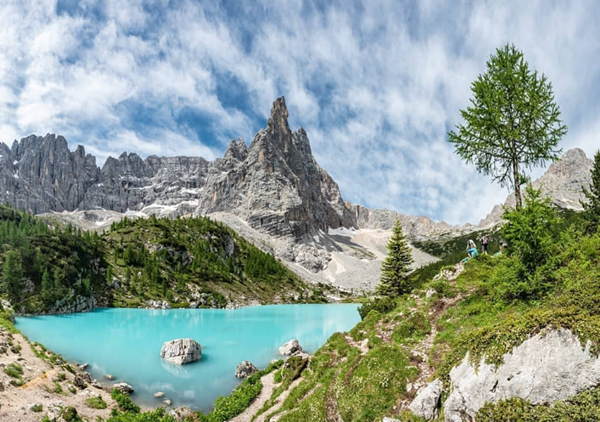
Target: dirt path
278, 403
268, 382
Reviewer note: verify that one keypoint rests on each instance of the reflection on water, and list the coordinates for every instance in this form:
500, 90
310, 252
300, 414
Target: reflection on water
126, 343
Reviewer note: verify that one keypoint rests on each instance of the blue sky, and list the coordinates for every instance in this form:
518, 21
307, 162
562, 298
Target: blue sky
376, 84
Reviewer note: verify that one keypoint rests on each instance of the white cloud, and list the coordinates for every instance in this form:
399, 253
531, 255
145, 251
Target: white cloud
376, 85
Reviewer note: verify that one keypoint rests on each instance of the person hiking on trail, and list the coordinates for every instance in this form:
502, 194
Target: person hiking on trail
484, 244
472, 249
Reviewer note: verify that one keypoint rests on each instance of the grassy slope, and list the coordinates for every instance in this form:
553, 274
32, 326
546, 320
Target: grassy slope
464, 315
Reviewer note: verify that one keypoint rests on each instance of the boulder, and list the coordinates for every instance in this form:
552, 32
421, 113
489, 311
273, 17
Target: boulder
84, 366
167, 402
181, 351
290, 348
124, 387
183, 414
426, 403
109, 377
547, 367
86, 376
245, 369
79, 381
159, 394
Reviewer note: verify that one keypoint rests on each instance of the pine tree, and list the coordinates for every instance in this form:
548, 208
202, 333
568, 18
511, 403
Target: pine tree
512, 123
395, 269
591, 207
46, 283
12, 273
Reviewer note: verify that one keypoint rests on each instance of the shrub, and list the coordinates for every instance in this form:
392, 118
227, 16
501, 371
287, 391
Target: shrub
37, 408
382, 305
96, 403
124, 401
532, 232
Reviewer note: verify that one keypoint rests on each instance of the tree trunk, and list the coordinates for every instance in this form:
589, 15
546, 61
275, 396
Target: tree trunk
517, 180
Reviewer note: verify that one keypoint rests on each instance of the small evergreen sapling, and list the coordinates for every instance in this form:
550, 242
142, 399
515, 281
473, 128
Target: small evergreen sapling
395, 269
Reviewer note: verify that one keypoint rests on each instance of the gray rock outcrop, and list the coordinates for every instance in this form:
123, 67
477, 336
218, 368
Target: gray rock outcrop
124, 387
41, 174
181, 351
245, 369
562, 183
276, 184
426, 403
291, 347
543, 369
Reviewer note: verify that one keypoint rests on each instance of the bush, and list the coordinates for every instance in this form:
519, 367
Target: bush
532, 232
124, 401
69, 414
383, 305
96, 403
37, 408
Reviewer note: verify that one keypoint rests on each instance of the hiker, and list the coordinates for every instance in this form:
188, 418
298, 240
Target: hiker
484, 244
472, 249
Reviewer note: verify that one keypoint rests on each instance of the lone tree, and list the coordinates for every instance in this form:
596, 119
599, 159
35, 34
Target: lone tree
396, 267
591, 207
513, 122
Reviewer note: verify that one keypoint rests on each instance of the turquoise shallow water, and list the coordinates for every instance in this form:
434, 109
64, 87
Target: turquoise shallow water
126, 343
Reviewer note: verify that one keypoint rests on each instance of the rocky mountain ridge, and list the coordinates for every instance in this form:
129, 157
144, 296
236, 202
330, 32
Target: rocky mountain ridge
273, 191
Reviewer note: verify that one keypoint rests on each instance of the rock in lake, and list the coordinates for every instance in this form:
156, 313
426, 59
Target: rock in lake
290, 348
124, 387
159, 394
245, 369
109, 377
181, 351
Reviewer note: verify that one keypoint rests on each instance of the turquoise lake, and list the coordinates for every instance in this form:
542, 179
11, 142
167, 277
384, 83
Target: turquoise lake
126, 344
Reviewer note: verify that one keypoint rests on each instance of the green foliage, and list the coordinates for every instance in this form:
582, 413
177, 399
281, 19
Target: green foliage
513, 121
584, 407
12, 273
96, 403
158, 415
69, 414
124, 401
535, 237
37, 408
228, 407
380, 304
395, 269
591, 206
160, 259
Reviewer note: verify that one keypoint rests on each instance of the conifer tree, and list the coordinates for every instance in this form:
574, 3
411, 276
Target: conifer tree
46, 283
591, 207
395, 269
12, 273
512, 123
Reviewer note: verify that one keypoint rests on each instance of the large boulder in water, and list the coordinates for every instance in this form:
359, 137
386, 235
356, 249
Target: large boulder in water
245, 369
181, 351
291, 347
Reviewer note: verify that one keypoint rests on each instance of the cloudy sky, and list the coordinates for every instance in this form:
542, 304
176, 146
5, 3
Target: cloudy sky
376, 84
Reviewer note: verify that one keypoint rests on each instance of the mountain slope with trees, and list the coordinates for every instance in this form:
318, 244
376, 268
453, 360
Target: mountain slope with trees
177, 262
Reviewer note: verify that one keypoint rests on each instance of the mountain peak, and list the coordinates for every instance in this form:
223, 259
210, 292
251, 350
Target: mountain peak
279, 115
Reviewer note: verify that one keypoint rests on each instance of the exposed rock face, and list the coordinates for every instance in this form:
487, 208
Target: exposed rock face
414, 226
427, 401
245, 369
41, 174
183, 413
291, 347
543, 369
181, 351
276, 185
562, 182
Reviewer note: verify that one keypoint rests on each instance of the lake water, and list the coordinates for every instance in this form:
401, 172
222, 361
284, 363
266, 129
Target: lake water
126, 343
